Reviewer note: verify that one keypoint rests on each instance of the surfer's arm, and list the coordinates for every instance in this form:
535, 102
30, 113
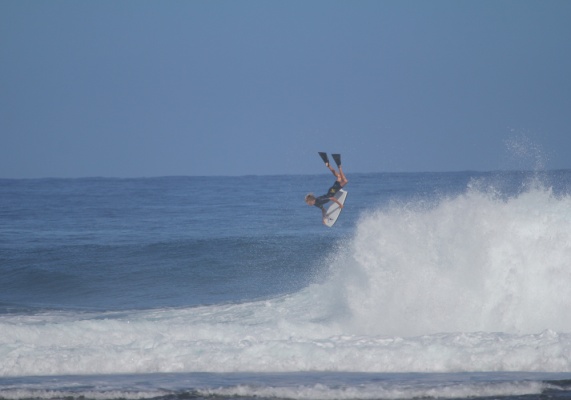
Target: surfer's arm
324, 215
336, 201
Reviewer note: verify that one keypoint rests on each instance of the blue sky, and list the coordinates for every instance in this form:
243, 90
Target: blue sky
154, 88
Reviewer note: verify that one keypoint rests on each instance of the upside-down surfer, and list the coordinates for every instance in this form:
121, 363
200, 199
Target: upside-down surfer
340, 182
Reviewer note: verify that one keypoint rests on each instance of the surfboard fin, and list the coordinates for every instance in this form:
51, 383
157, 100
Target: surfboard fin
324, 157
337, 159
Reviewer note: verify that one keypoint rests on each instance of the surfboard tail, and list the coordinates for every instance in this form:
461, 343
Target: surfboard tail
324, 157
337, 159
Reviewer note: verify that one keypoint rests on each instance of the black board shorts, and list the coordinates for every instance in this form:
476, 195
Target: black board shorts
334, 189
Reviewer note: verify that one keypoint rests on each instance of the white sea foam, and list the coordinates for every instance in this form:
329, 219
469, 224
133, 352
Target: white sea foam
476, 262
473, 283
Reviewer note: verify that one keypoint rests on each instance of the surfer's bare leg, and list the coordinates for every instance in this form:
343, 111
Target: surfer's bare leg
341, 177
332, 170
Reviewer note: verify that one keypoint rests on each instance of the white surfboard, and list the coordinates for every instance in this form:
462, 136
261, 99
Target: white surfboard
333, 211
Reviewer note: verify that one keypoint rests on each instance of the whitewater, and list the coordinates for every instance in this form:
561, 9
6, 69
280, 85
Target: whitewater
465, 278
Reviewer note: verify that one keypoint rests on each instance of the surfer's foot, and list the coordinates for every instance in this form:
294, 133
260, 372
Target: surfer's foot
324, 158
337, 159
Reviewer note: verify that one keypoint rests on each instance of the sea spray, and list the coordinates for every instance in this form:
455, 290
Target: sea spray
473, 262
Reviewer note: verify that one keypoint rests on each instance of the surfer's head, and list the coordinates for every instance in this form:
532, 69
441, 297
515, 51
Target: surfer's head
310, 199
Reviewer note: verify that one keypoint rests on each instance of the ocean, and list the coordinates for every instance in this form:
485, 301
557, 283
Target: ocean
430, 286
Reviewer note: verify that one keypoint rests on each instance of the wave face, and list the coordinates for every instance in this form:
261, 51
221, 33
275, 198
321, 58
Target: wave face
471, 282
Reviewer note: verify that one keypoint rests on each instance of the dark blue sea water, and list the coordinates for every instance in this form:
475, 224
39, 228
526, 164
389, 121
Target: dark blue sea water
430, 285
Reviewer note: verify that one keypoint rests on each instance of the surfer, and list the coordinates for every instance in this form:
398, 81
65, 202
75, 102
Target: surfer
340, 182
